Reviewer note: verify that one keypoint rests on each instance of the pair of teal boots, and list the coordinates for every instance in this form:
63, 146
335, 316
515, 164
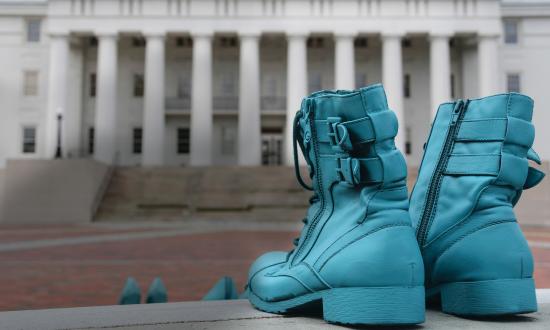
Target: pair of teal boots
371, 255
131, 293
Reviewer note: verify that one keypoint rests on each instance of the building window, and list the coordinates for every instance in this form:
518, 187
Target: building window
228, 140
316, 42
183, 140
228, 84
29, 140
360, 79
136, 140
91, 136
30, 83
406, 43
361, 42
513, 83
407, 85
138, 85
453, 84
138, 42
93, 82
408, 144
510, 32
33, 30
228, 42
315, 81
185, 42
92, 42
184, 87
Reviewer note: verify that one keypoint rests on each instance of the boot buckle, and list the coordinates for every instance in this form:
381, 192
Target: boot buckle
338, 135
348, 170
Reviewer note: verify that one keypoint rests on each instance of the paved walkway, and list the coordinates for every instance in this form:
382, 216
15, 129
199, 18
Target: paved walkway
72, 266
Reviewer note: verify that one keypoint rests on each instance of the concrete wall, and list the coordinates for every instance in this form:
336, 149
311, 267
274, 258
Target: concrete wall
17, 110
51, 191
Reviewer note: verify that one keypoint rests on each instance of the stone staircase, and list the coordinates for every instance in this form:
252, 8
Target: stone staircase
177, 193
240, 193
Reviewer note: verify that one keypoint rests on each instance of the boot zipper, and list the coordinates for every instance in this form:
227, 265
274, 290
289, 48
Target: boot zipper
317, 216
437, 177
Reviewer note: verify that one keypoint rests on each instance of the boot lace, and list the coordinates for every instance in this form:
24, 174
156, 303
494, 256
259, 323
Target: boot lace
298, 140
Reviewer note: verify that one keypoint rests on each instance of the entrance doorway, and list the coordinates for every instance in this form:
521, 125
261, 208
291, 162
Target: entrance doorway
272, 146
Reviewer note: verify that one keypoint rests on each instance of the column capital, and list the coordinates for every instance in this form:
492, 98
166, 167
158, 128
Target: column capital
488, 35
392, 34
205, 34
58, 34
345, 34
101, 33
153, 34
297, 35
250, 34
440, 35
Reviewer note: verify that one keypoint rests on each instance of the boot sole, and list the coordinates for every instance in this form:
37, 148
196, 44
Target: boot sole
363, 305
489, 298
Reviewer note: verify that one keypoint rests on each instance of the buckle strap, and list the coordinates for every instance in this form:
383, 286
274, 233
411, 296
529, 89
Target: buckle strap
387, 167
480, 130
507, 168
356, 171
344, 135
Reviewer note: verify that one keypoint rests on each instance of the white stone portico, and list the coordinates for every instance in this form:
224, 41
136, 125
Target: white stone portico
217, 82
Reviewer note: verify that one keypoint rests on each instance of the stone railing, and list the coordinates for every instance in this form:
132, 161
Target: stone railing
177, 103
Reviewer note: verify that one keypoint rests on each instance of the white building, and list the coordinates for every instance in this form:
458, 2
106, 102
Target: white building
200, 82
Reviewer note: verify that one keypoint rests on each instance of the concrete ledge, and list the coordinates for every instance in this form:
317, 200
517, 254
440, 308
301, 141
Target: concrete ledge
234, 314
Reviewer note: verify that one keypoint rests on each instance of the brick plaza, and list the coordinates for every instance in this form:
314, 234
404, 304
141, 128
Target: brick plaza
71, 266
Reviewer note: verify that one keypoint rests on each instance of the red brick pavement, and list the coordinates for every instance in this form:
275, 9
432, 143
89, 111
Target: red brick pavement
93, 274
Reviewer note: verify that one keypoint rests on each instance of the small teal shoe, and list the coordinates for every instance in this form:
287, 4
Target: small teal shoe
357, 255
157, 292
224, 289
131, 293
474, 168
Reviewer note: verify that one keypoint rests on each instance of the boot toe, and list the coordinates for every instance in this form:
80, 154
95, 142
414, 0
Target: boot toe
267, 260
272, 288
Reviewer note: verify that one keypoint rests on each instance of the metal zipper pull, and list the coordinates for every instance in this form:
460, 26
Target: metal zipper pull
456, 111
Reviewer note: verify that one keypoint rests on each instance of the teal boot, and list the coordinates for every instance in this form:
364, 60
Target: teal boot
131, 293
157, 292
224, 289
474, 169
357, 254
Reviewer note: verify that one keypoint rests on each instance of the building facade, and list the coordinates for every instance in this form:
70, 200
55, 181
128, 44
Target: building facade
217, 82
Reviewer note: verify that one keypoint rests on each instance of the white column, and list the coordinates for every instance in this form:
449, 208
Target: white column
296, 85
106, 99
57, 92
440, 71
344, 61
153, 112
392, 78
72, 118
249, 101
487, 50
201, 101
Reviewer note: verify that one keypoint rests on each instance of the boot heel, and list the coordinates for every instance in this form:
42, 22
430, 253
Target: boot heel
487, 298
379, 305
